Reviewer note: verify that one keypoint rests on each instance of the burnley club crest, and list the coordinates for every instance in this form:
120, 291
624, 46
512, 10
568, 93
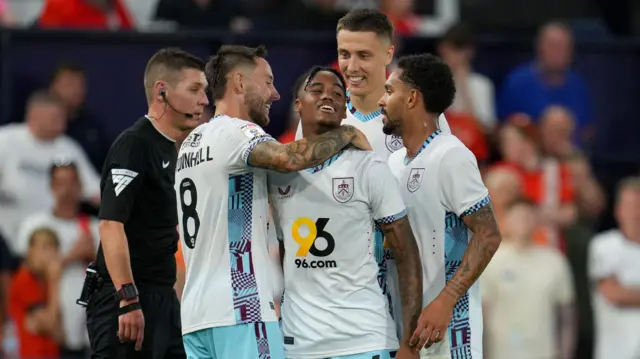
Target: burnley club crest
343, 189
415, 179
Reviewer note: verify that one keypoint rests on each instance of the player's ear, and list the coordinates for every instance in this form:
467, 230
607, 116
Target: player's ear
238, 85
390, 52
297, 105
412, 99
158, 89
343, 112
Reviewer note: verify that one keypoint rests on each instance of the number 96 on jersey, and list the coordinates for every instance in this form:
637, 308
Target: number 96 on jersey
313, 242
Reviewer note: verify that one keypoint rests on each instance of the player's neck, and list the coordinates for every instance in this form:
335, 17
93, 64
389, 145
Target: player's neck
232, 109
416, 132
368, 103
161, 120
309, 130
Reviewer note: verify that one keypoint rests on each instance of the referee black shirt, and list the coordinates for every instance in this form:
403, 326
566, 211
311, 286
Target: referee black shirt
137, 190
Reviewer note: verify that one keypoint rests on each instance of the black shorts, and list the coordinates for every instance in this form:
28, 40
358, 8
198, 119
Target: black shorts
162, 330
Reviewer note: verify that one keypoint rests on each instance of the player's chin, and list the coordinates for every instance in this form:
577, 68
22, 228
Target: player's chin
389, 128
327, 120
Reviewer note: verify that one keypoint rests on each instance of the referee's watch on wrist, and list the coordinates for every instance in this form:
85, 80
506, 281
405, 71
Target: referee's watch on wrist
127, 292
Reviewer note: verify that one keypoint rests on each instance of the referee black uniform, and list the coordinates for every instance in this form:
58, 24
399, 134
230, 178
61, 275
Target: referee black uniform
137, 190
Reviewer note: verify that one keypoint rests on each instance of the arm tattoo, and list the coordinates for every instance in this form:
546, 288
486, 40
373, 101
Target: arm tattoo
301, 154
482, 246
405, 248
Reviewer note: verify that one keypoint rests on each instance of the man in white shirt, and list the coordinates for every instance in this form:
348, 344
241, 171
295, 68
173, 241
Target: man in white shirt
78, 237
27, 151
446, 201
221, 188
527, 294
365, 50
614, 266
333, 304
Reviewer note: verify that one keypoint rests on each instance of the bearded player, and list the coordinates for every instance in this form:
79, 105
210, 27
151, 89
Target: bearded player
449, 207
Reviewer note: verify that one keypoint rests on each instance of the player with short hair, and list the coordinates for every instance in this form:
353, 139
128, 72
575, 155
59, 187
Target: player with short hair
445, 197
227, 308
324, 217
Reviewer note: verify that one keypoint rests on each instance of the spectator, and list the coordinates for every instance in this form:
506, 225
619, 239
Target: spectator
470, 132
505, 188
528, 291
474, 92
69, 85
546, 182
26, 153
615, 274
204, 14
86, 14
34, 298
547, 80
556, 135
78, 239
557, 127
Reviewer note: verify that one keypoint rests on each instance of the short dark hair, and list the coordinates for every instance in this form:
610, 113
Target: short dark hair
367, 20
458, 36
46, 231
164, 64
432, 77
303, 81
66, 67
228, 58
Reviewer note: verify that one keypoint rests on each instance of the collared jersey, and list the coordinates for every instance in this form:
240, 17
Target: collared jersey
333, 303
222, 212
440, 186
137, 190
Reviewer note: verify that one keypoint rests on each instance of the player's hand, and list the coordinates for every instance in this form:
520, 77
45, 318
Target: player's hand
405, 352
433, 323
360, 141
131, 326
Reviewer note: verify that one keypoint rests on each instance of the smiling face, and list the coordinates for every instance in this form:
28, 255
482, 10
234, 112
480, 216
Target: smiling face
260, 92
322, 102
363, 57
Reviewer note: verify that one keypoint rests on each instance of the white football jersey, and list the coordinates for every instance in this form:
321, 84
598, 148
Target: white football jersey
384, 145
440, 186
333, 303
222, 213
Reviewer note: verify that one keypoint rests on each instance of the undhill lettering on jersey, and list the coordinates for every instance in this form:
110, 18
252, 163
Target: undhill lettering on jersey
121, 179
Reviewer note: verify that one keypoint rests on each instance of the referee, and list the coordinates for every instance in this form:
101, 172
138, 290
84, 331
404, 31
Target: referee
135, 313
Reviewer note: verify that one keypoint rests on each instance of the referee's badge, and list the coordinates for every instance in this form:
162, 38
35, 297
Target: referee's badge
393, 142
415, 179
343, 189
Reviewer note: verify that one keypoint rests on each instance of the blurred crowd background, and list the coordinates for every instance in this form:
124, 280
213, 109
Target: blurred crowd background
547, 99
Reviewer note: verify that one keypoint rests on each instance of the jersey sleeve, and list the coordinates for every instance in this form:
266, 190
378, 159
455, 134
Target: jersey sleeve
123, 174
383, 194
463, 192
243, 138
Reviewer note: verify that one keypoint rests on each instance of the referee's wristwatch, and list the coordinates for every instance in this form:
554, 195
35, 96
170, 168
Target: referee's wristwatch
127, 292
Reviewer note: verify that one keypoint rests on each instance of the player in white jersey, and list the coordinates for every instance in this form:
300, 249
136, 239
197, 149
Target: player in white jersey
365, 50
227, 310
446, 201
333, 305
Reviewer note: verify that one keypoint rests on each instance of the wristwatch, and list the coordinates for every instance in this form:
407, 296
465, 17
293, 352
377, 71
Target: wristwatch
127, 292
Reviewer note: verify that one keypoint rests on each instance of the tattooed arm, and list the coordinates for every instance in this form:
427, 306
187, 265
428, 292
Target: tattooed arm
303, 153
405, 249
481, 248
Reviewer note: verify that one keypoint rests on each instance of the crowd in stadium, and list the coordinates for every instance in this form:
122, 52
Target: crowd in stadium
558, 280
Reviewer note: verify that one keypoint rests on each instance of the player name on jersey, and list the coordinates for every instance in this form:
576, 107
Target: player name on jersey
192, 159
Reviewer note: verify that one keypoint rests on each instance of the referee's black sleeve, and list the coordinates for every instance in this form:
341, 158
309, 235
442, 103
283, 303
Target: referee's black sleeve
122, 177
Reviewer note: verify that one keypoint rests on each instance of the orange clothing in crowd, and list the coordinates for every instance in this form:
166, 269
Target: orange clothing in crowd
287, 136
26, 293
80, 14
537, 184
467, 129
